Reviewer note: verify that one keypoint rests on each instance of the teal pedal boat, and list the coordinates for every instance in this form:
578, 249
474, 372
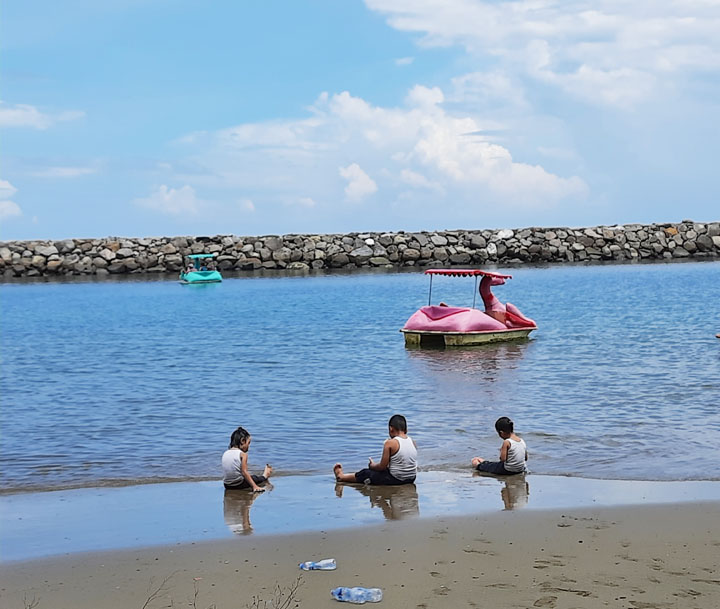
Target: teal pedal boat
199, 270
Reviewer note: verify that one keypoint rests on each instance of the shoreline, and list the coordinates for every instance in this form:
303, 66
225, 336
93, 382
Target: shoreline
95, 519
640, 557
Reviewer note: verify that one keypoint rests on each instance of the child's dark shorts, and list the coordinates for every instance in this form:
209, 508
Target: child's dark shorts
383, 478
245, 484
497, 468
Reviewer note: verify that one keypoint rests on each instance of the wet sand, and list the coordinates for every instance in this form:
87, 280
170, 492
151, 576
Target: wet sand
642, 557
36, 525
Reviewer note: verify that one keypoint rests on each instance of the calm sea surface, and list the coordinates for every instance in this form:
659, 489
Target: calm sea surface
138, 381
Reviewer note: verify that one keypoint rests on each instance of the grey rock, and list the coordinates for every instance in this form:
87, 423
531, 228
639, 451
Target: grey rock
339, 260
410, 254
298, 266
438, 240
477, 241
361, 254
460, 258
704, 243
440, 253
273, 243
379, 261
65, 246
116, 267
281, 255
421, 239
46, 250
173, 262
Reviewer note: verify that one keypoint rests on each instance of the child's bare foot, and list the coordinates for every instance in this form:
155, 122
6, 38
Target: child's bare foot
337, 470
267, 472
476, 461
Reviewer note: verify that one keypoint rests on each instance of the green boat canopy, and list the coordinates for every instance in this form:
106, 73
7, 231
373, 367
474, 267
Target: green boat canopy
195, 256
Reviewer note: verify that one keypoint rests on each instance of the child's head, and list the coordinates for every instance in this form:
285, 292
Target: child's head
504, 426
398, 423
240, 438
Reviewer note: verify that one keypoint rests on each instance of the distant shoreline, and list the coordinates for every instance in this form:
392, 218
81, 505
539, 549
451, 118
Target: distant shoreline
380, 250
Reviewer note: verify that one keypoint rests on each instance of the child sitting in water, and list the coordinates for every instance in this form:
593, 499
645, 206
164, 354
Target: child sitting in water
234, 462
513, 452
398, 464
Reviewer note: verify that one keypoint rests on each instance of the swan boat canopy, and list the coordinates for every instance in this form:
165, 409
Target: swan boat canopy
197, 271
443, 325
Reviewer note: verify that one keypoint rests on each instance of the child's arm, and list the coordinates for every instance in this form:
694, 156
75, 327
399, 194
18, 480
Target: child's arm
246, 474
504, 450
385, 459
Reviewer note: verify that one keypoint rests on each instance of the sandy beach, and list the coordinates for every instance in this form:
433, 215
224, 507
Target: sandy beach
642, 557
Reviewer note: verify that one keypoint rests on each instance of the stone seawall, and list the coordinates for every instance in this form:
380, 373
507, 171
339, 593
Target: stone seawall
117, 255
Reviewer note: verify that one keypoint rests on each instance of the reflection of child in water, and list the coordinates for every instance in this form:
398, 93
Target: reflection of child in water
515, 492
236, 511
396, 502
234, 462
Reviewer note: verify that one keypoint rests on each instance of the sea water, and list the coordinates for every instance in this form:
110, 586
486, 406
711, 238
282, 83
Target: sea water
142, 380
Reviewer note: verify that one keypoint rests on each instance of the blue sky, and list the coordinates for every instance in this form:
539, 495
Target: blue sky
184, 118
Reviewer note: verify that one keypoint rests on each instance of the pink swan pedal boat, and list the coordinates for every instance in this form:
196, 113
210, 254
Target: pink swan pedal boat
443, 325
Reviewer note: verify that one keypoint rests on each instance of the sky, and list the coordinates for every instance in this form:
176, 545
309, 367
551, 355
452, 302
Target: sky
172, 117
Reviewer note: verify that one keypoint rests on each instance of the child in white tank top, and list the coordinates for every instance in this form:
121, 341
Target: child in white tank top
513, 452
398, 464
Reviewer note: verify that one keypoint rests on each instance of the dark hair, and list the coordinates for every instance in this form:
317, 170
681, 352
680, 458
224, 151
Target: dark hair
238, 437
504, 424
397, 421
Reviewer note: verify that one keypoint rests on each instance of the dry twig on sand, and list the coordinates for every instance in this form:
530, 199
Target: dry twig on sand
32, 603
196, 593
283, 598
154, 593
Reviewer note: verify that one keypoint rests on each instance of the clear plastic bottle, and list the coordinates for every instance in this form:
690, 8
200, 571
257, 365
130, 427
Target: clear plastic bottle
326, 564
357, 595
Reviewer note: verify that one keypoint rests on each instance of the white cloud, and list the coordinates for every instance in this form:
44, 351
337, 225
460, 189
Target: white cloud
437, 158
603, 52
63, 172
24, 115
488, 89
172, 201
6, 189
8, 208
247, 205
417, 180
359, 185
404, 61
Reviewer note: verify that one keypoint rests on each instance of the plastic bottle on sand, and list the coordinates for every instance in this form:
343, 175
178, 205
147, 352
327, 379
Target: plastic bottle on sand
326, 564
357, 595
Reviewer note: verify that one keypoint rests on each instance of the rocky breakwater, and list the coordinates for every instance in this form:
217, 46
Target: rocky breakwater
359, 250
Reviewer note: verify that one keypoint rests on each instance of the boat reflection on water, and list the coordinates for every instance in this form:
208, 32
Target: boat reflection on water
515, 491
486, 362
236, 510
396, 502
